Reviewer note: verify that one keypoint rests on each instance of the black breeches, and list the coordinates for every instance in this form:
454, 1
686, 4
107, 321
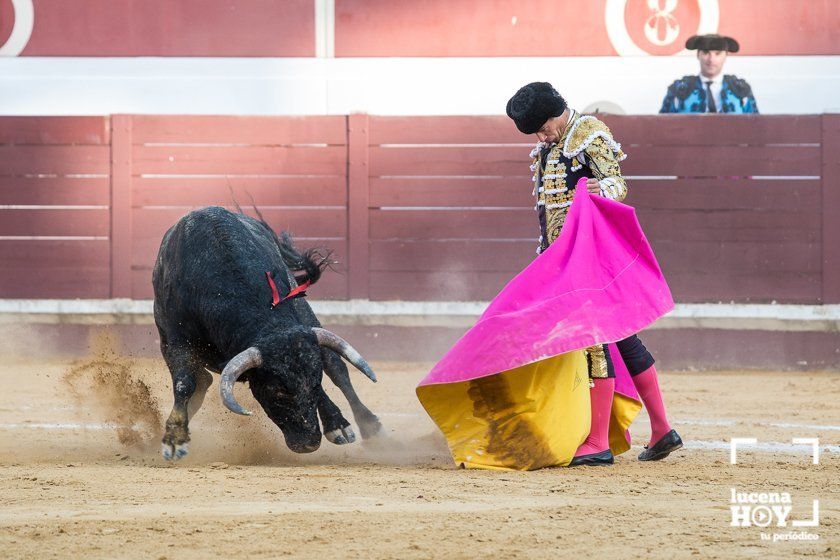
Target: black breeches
636, 357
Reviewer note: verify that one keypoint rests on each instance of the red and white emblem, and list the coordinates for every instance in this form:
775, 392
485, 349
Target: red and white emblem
17, 17
658, 27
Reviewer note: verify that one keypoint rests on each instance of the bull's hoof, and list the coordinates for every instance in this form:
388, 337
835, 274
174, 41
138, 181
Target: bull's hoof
342, 436
370, 426
170, 451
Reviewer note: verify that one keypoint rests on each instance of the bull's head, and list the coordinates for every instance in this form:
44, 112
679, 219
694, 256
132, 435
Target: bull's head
287, 383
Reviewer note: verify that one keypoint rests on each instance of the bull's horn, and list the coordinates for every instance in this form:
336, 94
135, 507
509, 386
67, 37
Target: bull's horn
343, 348
234, 369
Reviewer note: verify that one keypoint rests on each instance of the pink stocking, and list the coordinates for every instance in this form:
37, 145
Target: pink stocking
648, 386
601, 398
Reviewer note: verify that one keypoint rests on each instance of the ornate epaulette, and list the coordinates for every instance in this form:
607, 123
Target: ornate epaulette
583, 132
737, 85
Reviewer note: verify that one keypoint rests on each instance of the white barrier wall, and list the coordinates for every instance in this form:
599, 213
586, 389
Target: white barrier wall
385, 86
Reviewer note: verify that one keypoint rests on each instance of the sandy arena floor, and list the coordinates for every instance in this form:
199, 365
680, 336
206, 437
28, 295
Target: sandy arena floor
80, 476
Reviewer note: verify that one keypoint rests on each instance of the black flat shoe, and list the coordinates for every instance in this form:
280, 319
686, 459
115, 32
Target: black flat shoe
669, 443
602, 458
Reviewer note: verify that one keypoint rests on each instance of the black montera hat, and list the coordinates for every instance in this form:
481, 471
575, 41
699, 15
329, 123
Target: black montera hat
533, 105
712, 42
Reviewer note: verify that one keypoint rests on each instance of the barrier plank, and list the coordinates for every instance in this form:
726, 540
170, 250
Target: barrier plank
741, 225
473, 255
332, 285
717, 161
144, 250
303, 222
54, 130
487, 130
324, 190
240, 130
358, 201
709, 286
54, 269
713, 130
737, 256
724, 194
239, 160
54, 160
52, 222
830, 205
454, 224
60, 191
434, 191
436, 285
460, 161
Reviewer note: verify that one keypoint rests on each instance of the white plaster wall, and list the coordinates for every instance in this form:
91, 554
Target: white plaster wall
386, 86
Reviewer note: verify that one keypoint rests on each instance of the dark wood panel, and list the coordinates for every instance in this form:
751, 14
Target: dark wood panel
447, 130
249, 130
358, 217
473, 161
725, 194
830, 204
454, 224
702, 161
54, 130
735, 256
437, 286
734, 225
472, 255
322, 190
75, 222
648, 130
62, 191
332, 285
54, 160
723, 161
54, 269
725, 349
713, 130
144, 250
152, 223
239, 160
430, 191
724, 286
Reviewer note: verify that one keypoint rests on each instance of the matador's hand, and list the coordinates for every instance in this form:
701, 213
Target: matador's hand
593, 186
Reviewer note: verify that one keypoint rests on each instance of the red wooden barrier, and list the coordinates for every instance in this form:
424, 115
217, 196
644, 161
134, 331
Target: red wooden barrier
831, 208
742, 223
293, 169
54, 200
415, 208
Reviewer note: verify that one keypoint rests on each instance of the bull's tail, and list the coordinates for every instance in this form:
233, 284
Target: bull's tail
305, 265
308, 265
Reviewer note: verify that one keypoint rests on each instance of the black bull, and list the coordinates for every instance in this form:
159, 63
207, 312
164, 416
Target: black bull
213, 309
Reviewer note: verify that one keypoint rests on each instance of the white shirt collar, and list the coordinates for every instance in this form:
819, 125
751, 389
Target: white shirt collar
716, 81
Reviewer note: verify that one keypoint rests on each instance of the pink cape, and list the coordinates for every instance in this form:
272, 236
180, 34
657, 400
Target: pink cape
599, 282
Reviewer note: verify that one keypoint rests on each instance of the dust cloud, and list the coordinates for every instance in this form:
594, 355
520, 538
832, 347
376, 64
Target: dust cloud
131, 396
110, 386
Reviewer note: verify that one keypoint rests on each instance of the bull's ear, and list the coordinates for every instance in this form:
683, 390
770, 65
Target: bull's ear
239, 364
337, 344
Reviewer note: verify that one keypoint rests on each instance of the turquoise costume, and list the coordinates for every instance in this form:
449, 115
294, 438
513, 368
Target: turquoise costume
687, 95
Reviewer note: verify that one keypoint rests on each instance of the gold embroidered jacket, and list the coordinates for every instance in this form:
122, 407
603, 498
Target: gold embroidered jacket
586, 149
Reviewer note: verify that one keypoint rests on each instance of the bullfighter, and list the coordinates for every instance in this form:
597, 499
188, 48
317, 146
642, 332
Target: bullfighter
571, 146
710, 91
